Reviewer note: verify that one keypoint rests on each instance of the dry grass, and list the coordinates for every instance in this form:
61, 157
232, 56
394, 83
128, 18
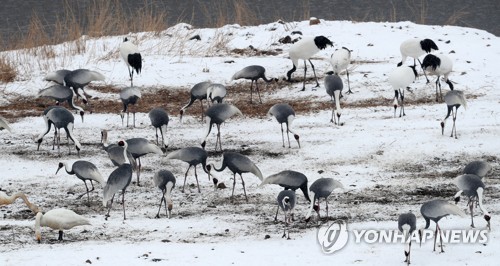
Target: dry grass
7, 72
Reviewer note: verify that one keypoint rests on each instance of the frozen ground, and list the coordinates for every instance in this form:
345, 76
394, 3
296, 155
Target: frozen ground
387, 165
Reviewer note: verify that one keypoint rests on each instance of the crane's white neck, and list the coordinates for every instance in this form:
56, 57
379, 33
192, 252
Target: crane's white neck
480, 199
311, 195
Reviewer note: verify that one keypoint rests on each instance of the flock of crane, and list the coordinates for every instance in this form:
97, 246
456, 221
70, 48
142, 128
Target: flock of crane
126, 155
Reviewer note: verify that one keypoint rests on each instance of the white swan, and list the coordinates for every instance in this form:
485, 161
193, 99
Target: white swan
58, 219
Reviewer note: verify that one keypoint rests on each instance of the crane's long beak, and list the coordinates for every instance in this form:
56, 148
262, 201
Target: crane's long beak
59, 168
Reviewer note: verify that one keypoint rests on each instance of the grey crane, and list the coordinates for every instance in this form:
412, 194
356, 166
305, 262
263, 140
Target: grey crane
4, 124
216, 92
407, 224
340, 60
159, 120
57, 76
435, 210
288, 179
118, 180
416, 48
238, 164
218, 114
198, 92
61, 93
438, 65
334, 86
193, 156
473, 188
253, 73
284, 113
84, 170
132, 57
115, 152
321, 188
79, 78
286, 202
60, 117
139, 147
453, 99
400, 78
165, 181
129, 96
304, 50
479, 168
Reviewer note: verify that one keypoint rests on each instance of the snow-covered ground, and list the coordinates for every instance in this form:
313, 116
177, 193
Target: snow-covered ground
387, 165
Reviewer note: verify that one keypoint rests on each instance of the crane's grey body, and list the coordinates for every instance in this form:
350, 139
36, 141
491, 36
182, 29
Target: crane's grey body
435, 210
84, 170
289, 180
322, 188
407, 223
253, 73
60, 117
334, 86
479, 168
472, 187
286, 202
139, 147
198, 92
57, 76
115, 152
284, 113
159, 120
193, 156
129, 96
218, 114
79, 78
239, 164
118, 180
61, 94
216, 92
340, 60
453, 99
165, 181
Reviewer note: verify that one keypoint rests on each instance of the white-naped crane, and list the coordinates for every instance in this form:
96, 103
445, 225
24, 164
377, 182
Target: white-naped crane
118, 180
165, 181
334, 86
238, 164
218, 114
304, 49
216, 92
132, 57
253, 73
438, 65
340, 60
159, 120
284, 114
129, 96
453, 99
479, 167
79, 78
58, 219
435, 210
321, 188
193, 156
286, 202
57, 76
85, 171
473, 188
61, 94
415, 48
400, 78
407, 224
115, 152
60, 117
198, 92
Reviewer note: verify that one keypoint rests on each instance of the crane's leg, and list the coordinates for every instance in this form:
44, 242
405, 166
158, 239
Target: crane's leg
422, 69
402, 109
218, 139
258, 91
234, 184
139, 170
454, 129
185, 177
276, 216
314, 71
161, 201
332, 120
326, 202
471, 208
437, 85
156, 131
109, 207
304, 82
440, 238
60, 238
87, 188
288, 135
202, 112
251, 91
123, 201
196, 176
282, 136
348, 83
244, 189
435, 237
133, 114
